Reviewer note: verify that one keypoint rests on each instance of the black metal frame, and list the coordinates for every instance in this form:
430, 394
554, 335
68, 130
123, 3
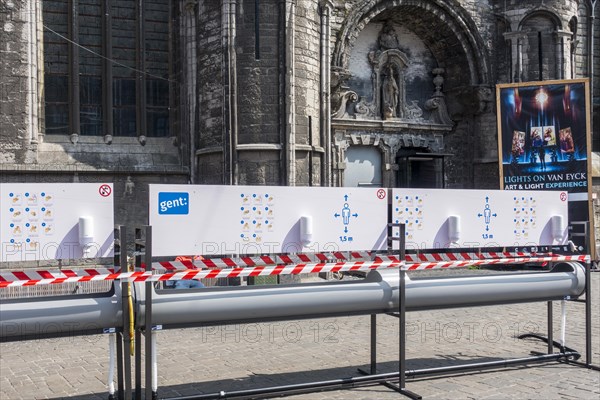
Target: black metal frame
395, 380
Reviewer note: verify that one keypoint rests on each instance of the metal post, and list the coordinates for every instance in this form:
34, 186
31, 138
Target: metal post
126, 343
138, 250
402, 312
550, 328
120, 259
120, 394
125, 333
402, 341
373, 344
588, 315
138, 365
148, 315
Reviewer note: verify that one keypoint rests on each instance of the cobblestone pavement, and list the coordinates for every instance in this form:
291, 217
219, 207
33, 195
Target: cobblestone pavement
229, 358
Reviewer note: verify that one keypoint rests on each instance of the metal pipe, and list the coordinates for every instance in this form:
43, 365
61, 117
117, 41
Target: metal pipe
112, 352
588, 315
563, 322
371, 379
74, 109
290, 88
60, 316
491, 364
148, 342
233, 91
377, 293
154, 366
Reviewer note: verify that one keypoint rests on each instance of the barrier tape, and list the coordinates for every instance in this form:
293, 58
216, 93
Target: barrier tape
468, 256
228, 262
225, 262
144, 276
56, 274
262, 261
521, 260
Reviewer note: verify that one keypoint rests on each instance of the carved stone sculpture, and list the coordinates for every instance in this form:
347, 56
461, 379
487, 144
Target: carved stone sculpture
340, 93
437, 103
390, 94
388, 39
413, 111
485, 99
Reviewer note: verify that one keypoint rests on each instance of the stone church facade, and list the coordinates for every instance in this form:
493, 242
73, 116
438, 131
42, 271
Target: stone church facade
392, 93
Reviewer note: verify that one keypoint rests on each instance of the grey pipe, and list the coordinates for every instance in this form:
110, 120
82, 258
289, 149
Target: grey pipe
565, 279
377, 293
60, 316
55, 316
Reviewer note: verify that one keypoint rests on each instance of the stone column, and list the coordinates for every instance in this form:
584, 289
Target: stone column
516, 45
563, 50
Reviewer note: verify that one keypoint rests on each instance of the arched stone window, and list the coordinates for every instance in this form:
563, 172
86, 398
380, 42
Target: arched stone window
541, 57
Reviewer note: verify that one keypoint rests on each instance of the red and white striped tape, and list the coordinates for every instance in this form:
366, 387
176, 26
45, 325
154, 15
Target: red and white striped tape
10, 276
245, 262
518, 260
143, 276
468, 256
228, 262
282, 259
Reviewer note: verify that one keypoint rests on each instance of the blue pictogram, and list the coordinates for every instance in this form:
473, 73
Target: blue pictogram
487, 215
346, 214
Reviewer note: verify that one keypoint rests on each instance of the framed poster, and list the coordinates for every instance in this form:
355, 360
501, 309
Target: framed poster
544, 141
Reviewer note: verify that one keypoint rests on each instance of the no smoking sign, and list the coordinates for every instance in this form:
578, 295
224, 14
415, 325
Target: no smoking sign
105, 190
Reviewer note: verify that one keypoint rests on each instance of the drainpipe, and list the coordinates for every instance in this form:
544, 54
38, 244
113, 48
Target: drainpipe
290, 91
188, 29
591, 55
233, 91
229, 21
31, 80
325, 90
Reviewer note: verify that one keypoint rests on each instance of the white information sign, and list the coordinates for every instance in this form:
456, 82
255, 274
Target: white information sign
205, 219
444, 218
51, 221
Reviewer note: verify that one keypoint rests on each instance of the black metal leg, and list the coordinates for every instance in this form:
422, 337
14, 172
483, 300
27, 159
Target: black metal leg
120, 394
550, 329
373, 348
373, 344
138, 364
588, 315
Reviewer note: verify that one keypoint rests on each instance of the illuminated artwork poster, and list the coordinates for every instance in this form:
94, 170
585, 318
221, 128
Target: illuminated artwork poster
544, 139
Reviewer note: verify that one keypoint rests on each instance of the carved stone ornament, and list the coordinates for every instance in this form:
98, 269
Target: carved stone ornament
387, 101
485, 99
340, 93
129, 187
413, 112
344, 97
437, 102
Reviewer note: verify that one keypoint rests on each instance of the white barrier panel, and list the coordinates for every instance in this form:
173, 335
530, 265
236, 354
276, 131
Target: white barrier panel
51, 221
205, 219
445, 218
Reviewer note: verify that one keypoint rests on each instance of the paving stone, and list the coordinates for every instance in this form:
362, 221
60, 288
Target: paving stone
192, 361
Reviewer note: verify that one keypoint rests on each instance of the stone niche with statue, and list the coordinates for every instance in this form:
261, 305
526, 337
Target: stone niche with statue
390, 87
